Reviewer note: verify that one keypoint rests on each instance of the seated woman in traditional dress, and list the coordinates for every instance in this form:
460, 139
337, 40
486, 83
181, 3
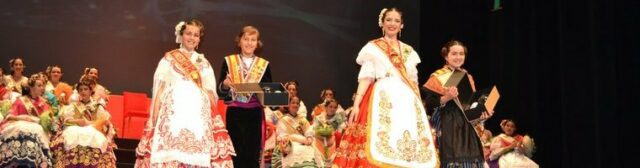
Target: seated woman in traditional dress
292, 89
23, 140
48, 122
100, 93
295, 140
15, 79
86, 139
511, 150
57, 94
54, 85
325, 95
325, 126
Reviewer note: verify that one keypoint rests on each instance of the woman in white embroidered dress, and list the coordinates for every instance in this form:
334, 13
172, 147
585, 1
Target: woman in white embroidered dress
389, 125
182, 131
15, 79
292, 88
295, 139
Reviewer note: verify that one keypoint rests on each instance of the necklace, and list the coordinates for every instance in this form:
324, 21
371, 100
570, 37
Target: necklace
245, 67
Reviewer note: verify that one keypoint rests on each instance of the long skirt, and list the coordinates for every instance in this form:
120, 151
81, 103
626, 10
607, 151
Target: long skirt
24, 144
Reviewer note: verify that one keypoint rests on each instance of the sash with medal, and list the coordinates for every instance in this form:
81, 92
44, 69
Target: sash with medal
185, 67
239, 72
398, 59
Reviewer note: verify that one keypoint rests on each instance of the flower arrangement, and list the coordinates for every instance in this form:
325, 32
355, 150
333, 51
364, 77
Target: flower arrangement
529, 146
63, 92
4, 108
324, 130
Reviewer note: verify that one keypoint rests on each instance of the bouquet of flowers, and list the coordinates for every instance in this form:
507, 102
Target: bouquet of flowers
63, 92
324, 130
285, 147
4, 108
46, 120
529, 145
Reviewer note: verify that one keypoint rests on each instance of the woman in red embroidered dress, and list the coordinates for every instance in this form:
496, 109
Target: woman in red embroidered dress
181, 130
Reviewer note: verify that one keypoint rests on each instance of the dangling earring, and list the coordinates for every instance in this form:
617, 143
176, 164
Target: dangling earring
197, 47
400, 33
382, 32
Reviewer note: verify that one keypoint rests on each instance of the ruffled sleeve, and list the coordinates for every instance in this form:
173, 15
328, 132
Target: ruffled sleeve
412, 61
368, 63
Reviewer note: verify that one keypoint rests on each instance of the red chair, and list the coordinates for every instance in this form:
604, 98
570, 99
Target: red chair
114, 107
136, 105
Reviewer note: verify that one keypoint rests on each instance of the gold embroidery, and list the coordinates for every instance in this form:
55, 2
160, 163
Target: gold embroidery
383, 146
352, 151
423, 152
407, 148
254, 74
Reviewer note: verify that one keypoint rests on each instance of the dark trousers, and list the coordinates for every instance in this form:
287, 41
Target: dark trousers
245, 129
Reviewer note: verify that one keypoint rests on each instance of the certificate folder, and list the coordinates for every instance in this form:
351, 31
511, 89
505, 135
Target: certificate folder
472, 103
482, 101
269, 94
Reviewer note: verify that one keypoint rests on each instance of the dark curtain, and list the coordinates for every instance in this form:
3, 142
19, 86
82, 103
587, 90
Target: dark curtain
568, 71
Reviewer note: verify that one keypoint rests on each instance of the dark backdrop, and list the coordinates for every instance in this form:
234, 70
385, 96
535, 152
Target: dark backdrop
567, 71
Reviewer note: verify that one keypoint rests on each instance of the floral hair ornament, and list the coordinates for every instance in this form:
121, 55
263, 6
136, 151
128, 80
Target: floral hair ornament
380, 17
503, 123
177, 32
